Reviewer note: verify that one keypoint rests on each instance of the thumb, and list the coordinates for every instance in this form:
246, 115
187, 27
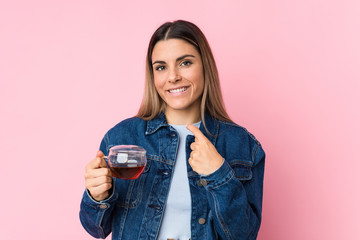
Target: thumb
97, 162
99, 154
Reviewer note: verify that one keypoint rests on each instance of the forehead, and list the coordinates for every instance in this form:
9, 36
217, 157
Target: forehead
172, 49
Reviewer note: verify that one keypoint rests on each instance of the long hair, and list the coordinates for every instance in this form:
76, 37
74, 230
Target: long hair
211, 101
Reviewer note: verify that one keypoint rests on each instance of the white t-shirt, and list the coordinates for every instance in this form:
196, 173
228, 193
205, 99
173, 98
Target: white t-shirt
176, 222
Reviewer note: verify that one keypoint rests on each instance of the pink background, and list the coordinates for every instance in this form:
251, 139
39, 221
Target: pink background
290, 73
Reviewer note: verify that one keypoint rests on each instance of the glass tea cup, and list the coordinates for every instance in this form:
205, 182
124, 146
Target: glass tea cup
126, 161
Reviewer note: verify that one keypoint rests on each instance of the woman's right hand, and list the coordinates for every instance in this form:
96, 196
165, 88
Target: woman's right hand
98, 178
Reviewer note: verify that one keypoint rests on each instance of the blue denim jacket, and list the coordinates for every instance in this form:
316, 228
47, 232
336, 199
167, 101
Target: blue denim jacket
224, 205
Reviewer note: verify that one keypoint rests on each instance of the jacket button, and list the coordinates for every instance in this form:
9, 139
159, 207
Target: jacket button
202, 221
171, 134
202, 183
103, 206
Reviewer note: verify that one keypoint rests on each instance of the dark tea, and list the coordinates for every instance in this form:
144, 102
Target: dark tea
126, 161
125, 172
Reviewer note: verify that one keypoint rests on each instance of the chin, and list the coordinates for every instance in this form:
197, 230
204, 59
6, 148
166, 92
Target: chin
180, 107
177, 106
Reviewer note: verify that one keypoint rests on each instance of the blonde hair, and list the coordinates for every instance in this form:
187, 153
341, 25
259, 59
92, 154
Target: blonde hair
212, 101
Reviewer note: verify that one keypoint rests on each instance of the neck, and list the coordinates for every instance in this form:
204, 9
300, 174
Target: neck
183, 117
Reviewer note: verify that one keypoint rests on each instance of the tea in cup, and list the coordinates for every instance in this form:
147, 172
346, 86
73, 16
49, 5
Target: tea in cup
126, 161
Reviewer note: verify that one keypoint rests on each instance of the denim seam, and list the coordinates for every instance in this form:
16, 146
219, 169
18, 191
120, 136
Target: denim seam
99, 220
94, 204
244, 177
150, 130
108, 147
240, 162
106, 139
160, 159
134, 204
236, 125
91, 203
122, 222
255, 152
216, 134
223, 226
222, 183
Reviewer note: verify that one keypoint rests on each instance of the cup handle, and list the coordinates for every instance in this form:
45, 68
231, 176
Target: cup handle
106, 160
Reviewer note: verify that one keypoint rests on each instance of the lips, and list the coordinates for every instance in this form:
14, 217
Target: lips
178, 90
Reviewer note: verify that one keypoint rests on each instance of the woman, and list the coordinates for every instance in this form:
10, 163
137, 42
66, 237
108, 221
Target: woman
204, 177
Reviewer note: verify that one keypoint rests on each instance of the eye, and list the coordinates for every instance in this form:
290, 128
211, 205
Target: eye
160, 68
186, 63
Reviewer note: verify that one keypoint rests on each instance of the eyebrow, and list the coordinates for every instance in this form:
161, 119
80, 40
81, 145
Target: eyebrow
178, 59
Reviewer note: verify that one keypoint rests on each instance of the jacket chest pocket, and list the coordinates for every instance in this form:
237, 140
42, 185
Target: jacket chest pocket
242, 170
130, 191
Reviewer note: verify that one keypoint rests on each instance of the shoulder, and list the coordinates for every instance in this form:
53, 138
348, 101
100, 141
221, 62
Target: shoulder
238, 142
234, 129
129, 124
126, 132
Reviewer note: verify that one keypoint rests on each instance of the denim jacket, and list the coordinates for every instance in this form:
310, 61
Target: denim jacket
224, 205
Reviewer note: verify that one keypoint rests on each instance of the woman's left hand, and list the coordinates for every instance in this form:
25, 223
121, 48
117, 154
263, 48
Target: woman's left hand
204, 158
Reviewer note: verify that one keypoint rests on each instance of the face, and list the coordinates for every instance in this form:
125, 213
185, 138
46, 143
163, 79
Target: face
178, 75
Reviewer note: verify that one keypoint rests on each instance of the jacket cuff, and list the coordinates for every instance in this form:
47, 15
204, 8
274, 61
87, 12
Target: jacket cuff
89, 200
219, 177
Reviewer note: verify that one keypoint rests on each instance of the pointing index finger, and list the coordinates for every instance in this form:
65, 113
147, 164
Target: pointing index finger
196, 131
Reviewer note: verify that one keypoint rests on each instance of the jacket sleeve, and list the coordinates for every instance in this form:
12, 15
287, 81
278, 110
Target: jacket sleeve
236, 203
96, 216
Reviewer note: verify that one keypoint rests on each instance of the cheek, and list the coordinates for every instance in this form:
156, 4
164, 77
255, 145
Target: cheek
158, 84
198, 79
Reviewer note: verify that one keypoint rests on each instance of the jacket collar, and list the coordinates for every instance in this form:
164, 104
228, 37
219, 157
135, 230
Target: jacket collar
154, 124
212, 125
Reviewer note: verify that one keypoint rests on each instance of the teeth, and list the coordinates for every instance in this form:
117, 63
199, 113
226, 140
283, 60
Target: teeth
177, 90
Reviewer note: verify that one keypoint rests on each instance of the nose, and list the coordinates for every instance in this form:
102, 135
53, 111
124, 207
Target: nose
174, 75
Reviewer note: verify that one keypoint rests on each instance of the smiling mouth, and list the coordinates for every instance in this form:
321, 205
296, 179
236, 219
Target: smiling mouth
178, 90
